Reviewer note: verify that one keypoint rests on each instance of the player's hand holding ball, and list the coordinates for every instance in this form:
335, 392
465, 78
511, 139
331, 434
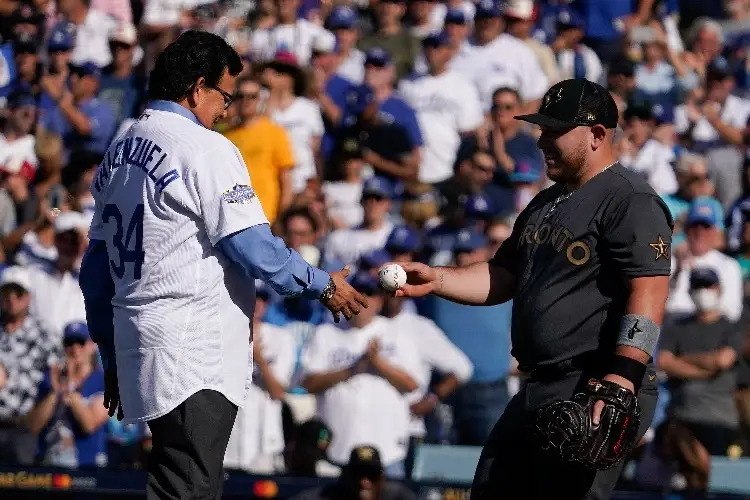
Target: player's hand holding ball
408, 279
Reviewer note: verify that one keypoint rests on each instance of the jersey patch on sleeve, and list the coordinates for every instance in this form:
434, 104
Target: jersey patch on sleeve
238, 194
661, 247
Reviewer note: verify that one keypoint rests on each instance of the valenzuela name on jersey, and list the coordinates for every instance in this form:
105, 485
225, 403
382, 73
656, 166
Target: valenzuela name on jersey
137, 152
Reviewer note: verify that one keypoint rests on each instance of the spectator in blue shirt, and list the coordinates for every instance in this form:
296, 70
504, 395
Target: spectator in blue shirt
608, 21
69, 416
83, 121
484, 336
120, 87
59, 51
27, 66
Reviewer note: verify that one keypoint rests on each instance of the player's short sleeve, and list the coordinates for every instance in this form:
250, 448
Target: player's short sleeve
283, 157
637, 236
220, 184
96, 230
507, 255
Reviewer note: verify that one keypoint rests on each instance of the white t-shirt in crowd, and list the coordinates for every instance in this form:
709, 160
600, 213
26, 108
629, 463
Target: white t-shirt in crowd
507, 62
32, 253
347, 245
566, 63
258, 430
436, 352
446, 105
298, 38
168, 12
366, 408
654, 162
181, 312
735, 112
92, 39
303, 122
56, 298
730, 279
18, 151
353, 67
344, 200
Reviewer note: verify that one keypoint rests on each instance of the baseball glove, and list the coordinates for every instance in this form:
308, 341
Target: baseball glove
566, 427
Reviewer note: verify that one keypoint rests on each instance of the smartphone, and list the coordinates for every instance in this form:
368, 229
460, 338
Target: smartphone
55, 197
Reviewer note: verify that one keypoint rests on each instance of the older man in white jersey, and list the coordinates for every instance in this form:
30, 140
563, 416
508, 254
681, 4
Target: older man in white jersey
177, 240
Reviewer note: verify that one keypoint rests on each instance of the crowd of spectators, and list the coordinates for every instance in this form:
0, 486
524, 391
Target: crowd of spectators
376, 131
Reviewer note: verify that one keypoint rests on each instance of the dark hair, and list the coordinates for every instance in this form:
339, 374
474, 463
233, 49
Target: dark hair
299, 212
193, 55
502, 90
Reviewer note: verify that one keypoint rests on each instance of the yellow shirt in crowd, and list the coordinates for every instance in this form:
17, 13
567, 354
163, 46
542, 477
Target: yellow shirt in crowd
265, 148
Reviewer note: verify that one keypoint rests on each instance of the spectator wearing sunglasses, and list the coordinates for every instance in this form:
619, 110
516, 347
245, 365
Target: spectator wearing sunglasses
265, 148
83, 121
69, 415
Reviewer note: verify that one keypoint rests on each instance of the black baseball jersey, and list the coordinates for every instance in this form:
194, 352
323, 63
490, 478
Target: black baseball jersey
571, 263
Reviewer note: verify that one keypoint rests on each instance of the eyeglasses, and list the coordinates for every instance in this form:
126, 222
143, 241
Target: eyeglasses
240, 96
226, 95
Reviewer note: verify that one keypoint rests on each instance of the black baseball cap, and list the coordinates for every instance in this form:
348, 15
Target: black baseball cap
575, 103
364, 461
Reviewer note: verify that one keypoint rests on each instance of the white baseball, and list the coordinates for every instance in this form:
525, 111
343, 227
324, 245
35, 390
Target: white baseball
391, 277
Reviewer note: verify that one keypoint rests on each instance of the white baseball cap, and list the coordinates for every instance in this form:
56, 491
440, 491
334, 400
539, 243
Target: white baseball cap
124, 33
519, 9
68, 221
16, 275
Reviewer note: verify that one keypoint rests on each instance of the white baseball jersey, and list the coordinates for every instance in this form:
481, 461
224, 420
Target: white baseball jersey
436, 352
348, 245
447, 105
365, 409
167, 191
258, 429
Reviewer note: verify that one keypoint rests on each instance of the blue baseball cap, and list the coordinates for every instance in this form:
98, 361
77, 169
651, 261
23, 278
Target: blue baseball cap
526, 171
378, 56
364, 282
703, 277
77, 330
88, 69
61, 38
436, 40
663, 113
569, 18
455, 16
468, 240
262, 290
374, 259
487, 9
21, 98
480, 206
403, 239
342, 17
705, 210
378, 186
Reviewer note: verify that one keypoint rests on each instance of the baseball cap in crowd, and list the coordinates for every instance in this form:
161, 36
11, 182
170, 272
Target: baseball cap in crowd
78, 331
480, 206
455, 16
364, 282
26, 13
519, 9
314, 435
61, 38
124, 33
663, 113
436, 40
403, 239
342, 17
16, 275
468, 240
25, 43
378, 57
374, 259
718, 69
704, 210
703, 277
69, 221
575, 102
364, 461
87, 69
487, 9
622, 65
526, 171
641, 110
21, 98
378, 186
569, 18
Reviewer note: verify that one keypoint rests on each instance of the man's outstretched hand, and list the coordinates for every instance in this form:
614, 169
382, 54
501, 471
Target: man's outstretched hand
421, 280
112, 394
346, 300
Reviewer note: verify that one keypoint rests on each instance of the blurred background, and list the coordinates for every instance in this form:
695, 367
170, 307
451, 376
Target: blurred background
376, 131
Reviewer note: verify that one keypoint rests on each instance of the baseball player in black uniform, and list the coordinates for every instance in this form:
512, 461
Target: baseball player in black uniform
587, 268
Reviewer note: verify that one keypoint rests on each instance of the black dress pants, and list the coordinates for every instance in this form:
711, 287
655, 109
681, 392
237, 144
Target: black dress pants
189, 443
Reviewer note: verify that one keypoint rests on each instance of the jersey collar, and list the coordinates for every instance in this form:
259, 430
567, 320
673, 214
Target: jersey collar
173, 107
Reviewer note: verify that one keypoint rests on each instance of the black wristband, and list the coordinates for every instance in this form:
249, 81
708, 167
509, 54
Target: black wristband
630, 369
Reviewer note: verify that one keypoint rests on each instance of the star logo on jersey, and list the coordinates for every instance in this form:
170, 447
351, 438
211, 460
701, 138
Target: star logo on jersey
552, 97
634, 330
651, 377
238, 194
661, 247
